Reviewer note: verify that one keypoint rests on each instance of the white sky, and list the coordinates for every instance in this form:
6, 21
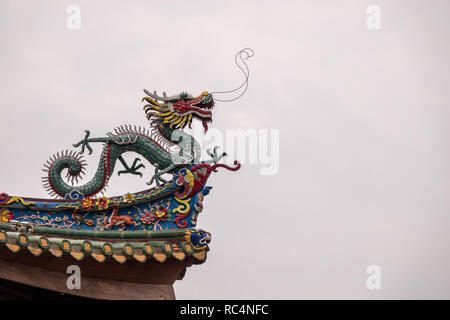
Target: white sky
363, 118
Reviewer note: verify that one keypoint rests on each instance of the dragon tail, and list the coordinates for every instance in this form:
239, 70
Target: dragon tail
54, 183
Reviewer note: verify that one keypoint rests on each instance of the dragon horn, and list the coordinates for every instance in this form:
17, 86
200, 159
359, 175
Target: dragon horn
164, 98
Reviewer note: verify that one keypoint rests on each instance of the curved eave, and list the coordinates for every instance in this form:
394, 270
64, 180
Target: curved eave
101, 251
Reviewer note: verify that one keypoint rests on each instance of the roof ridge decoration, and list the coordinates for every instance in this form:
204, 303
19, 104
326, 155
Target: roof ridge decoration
84, 213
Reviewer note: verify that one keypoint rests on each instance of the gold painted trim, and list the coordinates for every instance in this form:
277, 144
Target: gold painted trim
160, 257
179, 255
13, 247
34, 251
120, 259
56, 252
200, 255
140, 257
98, 257
77, 255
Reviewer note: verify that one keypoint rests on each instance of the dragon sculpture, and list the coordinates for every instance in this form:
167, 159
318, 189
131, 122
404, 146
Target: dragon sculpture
170, 208
166, 145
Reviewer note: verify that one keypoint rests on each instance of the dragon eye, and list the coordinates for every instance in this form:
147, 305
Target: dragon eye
184, 95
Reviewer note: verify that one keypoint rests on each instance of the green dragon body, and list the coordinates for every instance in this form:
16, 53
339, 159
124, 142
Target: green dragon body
166, 146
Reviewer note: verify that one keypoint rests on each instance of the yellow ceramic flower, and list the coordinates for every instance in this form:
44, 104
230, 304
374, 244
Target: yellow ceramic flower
102, 203
128, 197
87, 203
160, 212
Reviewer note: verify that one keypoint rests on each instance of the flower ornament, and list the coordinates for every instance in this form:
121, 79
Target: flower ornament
160, 211
147, 217
6, 215
102, 203
128, 197
87, 203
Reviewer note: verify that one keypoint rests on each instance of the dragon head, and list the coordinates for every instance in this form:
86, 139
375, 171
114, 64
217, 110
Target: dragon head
178, 111
199, 238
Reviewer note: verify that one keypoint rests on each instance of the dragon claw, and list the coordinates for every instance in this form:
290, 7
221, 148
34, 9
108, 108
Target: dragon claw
133, 169
215, 158
157, 176
84, 143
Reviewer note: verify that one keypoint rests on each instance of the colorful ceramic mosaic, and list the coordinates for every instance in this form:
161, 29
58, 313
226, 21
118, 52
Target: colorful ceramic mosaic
171, 204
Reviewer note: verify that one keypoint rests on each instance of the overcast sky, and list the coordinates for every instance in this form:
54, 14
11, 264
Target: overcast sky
363, 117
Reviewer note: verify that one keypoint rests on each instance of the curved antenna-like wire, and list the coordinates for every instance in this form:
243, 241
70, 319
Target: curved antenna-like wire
243, 54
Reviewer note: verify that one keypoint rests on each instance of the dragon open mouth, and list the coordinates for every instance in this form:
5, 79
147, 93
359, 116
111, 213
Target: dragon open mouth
206, 103
201, 109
